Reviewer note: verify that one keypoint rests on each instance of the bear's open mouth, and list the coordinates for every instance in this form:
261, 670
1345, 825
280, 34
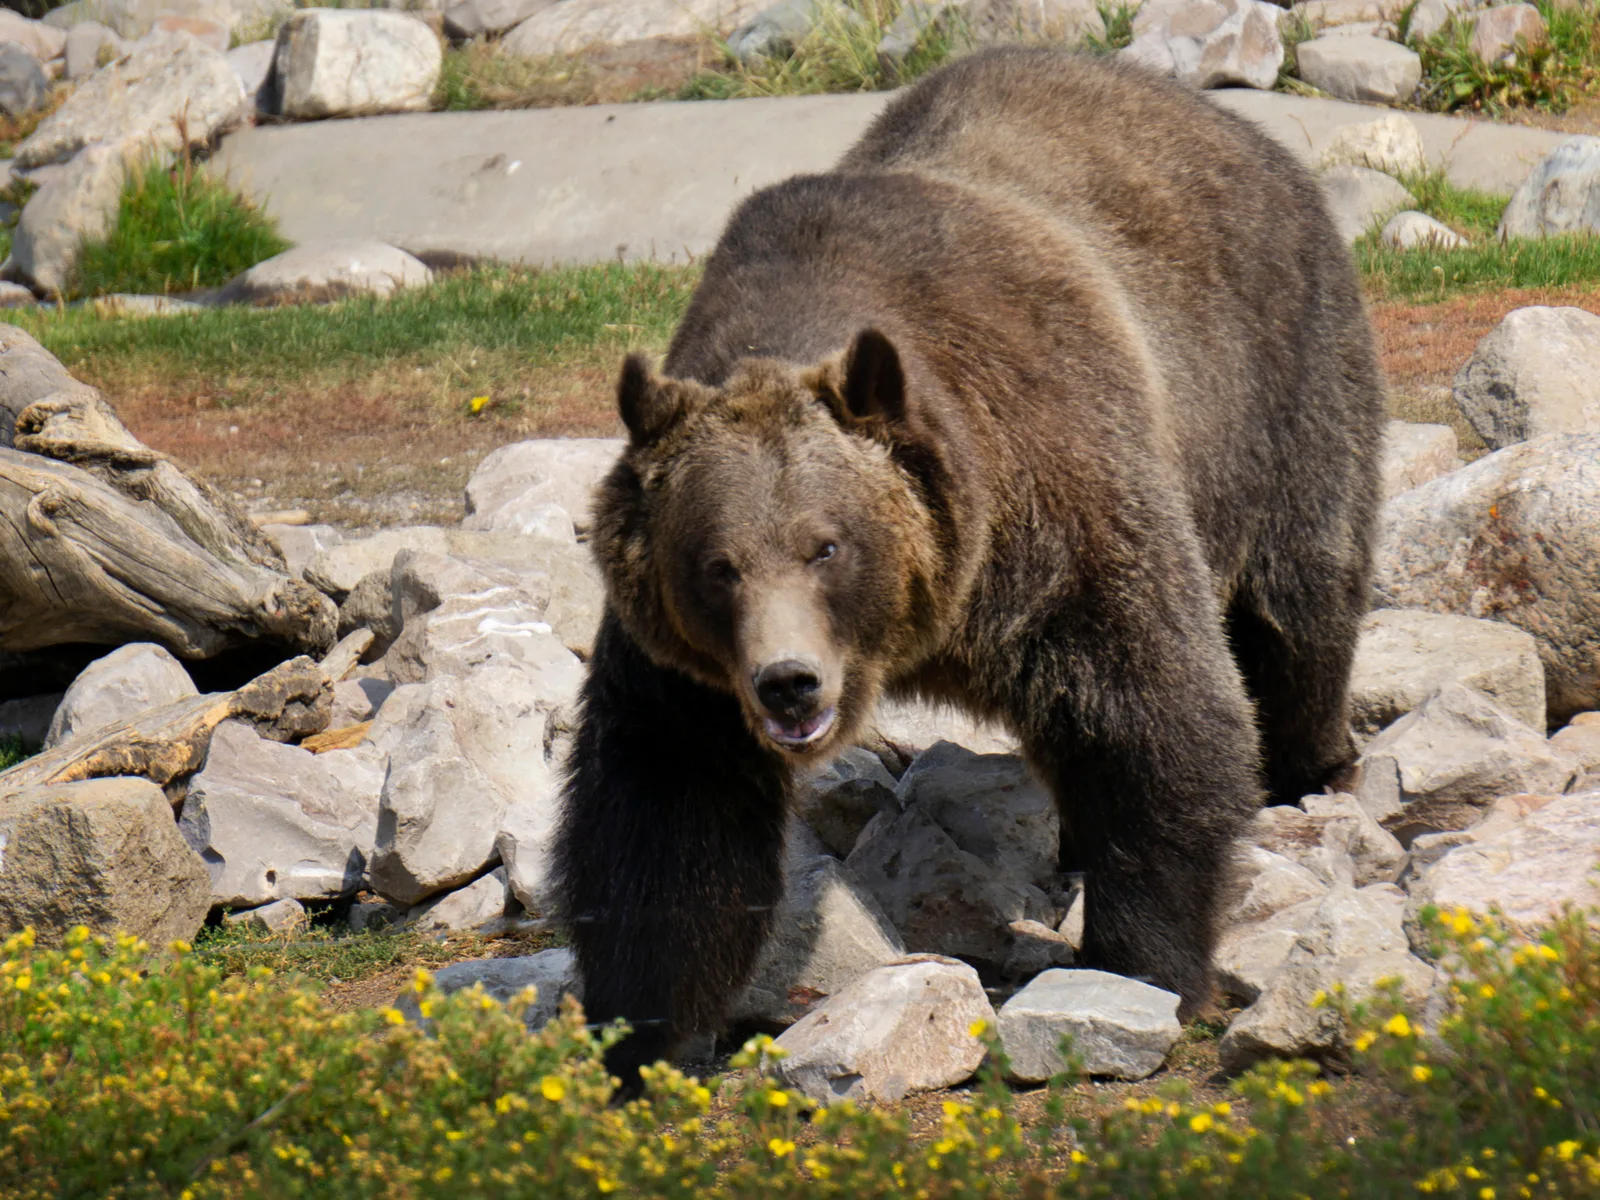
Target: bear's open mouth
794, 734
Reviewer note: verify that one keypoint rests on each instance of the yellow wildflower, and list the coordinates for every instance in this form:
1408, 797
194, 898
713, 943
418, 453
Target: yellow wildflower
393, 1016
552, 1089
978, 1028
1200, 1122
1421, 1073
778, 1099
1398, 1025
780, 1147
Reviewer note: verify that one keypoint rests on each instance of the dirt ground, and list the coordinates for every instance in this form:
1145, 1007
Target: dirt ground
373, 455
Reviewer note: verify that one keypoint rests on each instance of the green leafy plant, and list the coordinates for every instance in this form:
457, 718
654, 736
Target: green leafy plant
177, 229
1551, 74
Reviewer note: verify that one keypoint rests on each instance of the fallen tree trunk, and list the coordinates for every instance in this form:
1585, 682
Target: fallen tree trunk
104, 540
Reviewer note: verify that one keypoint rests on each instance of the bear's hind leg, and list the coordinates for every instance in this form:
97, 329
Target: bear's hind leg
669, 859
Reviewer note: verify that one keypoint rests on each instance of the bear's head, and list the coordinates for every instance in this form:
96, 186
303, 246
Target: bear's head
774, 537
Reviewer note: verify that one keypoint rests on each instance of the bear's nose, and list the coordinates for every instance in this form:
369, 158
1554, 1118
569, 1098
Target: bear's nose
790, 687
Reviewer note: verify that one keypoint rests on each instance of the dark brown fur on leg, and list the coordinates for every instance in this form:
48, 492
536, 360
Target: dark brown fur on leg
670, 852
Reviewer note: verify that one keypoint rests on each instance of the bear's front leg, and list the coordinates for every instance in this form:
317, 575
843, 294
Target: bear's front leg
669, 858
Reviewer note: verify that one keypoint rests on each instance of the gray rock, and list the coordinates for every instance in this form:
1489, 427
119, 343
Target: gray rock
214, 34
300, 544
991, 805
1263, 883
274, 821
524, 476
1071, 926
911, 727
373, 916
1361, 198
1035, 947
1532, 374
135, 18
14, 295
23, 83
1497, 32
1414, 454
523, 843
354, 62
1405, 656
252, 63
942, 898
1514, 536
463, 752
1438, 768
1429, 17
828, 932
1210, 43
339, 567
553, 974
28, 719
73, 207
42, 41
1408, 230
280, 916
1367, 70
1560, 195
480, 18
370, 605
1390, 144
1527, 869
357, 700
1249, 956
317, 272
840, 801
121, 685
147, 103
901, 1028
576, 25
1119, 1027
103, 853
1580, 742
471, 907
1319, 843
777, 29
1376, 855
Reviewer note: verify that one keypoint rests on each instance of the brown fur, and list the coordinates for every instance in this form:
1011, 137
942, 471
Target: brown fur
1071, 369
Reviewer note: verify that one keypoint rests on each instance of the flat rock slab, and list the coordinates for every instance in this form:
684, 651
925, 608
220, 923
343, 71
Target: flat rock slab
659, 180
1118, 1026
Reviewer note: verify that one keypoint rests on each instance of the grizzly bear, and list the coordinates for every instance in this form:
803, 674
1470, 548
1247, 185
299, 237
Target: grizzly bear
1056, 401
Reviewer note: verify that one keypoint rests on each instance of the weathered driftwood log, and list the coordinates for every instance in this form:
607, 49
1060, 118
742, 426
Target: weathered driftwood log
166, 745
104, 540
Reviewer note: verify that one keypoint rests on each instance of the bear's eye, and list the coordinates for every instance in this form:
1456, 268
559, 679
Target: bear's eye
721, 571
824, 552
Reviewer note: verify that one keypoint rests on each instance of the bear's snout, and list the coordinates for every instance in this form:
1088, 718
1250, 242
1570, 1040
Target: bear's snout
790, 689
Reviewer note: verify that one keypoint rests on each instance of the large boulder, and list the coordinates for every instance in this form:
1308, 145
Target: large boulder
123, 684
1532, 374
1210, 43
480, 903
1119, 1027
352, 62
1499, 32
516, 480
77, 205
317, 272
487, 18
1560, 195
163, 96
103, 853
570, 26
1390, 144
1405, 656
43, 42
1438, 768
274, 821
23, 83
1368, 70
909, 1026
1515, 537
90, 46
1414, 454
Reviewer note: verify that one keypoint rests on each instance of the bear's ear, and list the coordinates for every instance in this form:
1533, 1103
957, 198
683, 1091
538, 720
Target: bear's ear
874, 381
647, 406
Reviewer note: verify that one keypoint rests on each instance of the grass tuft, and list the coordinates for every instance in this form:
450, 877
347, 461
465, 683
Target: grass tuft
1117, 19
1552, 75
479, 75
177, 229
14, 750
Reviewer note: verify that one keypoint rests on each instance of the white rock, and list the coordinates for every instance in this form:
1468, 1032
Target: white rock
1438, 768
1497, 32
523, 843
477, 18
252, 63
1514, 536
1361, 198
353, 62
1580, 742
75, 206
99, 852
991, 805
1532, 374
553, 974
1390, 144
1560, 195
901, 1028
911, 727
280, 916
42, 41
1405, 656
203, 29
1320, 844
1414, 454
137, 103
1376, 855
338, 568
275, 821
1210, 43
778, 28
1429, 17
1528, 870
1368, 70
573, 25
1408, 230
941, 898
525, 476
123, 684
1263, 883
299, 544
135, 18
1119, 1027
357, 700
1249, 956
471, 907
1035, 948
985, 21
827, 933
317, 272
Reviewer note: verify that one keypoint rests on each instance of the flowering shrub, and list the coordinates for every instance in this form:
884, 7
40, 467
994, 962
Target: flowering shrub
127, 1074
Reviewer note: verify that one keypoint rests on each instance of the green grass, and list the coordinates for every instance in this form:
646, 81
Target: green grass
177, 229
1117, 20
531, 317
325, 955
840, 54
1469, 211
478, 75
14, 750
1553, 75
